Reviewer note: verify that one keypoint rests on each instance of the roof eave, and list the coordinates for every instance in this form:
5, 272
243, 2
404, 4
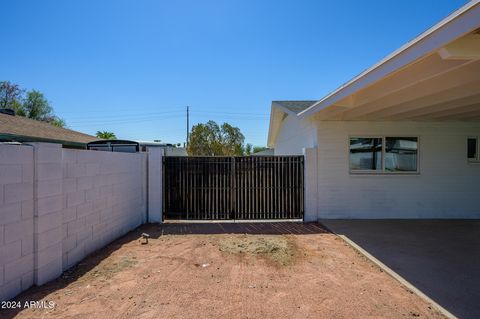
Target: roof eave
457, 24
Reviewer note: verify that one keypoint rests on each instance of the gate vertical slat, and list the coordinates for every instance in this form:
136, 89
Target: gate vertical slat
249, 187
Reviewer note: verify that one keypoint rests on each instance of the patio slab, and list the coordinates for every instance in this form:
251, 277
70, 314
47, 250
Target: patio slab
439, 257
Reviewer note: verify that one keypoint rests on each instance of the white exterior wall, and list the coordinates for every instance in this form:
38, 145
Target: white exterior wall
447, 186
104, 197
294, 136
16, 219
58, 205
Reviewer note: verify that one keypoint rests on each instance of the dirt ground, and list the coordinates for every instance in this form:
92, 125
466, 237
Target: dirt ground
252, 270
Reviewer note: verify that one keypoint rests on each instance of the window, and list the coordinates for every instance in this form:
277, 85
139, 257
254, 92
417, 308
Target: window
383, 154
366, 154
401, 154
472, 149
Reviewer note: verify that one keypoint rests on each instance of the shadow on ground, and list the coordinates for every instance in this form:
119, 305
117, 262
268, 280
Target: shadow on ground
256, 228
439, 257
156, 231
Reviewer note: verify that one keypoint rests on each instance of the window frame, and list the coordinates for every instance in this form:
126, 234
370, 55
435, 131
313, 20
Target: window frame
475, 160
383, 171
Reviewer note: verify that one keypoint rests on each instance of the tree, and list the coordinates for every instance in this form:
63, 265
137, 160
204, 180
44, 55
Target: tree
106, 135
33, 104
210, 139
257, 149
37, 107
11, 96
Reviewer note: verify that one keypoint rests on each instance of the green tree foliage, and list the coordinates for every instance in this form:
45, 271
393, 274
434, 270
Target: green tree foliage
257, 149
210, 139
31, 104
106, 135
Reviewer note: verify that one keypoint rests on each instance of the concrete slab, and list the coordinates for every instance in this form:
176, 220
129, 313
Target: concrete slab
439, 257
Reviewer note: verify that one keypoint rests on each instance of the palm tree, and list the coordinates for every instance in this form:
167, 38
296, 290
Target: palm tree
106, 135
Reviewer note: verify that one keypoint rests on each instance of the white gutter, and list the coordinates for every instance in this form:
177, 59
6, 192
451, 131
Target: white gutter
461, 22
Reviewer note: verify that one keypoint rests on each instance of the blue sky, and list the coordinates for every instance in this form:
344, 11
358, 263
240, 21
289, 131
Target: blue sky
131, 67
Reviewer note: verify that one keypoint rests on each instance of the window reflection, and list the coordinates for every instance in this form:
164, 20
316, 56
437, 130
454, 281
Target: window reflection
366, 154
401, 154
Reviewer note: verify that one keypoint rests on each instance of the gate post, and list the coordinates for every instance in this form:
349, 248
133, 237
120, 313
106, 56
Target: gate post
155, 185
310, 186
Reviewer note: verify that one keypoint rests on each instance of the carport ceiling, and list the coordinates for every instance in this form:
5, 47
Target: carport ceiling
444, 85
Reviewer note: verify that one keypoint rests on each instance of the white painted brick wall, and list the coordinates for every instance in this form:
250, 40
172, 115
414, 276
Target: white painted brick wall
16, 219
58, 205
104, 197
447, 186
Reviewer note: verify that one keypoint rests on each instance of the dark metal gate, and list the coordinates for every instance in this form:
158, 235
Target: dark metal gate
245, 187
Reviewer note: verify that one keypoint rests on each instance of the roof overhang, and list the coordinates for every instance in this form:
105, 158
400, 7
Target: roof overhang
278, 113
434, 77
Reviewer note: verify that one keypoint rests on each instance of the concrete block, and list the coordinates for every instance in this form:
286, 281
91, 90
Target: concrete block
10, 252
69, 156
92, 219
49, 188
84, 209
10, 289
11, 213
2, 227
76, 198
27, 243
75, 255
76, 170
84, 182
69, 243
48, 153
15, 231
27, 173
10, 174
48, 255
2, 277
155, 156
47, 222
47, 205
75, 226
84, 234
27, 209
69, 185
48, 272
18, 192
69, 214
49, 238
27, 280
49, 171
92, 194
311, 178
19, 267
92, 169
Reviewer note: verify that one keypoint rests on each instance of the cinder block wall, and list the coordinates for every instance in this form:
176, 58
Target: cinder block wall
16, 219
104, 197
58, 205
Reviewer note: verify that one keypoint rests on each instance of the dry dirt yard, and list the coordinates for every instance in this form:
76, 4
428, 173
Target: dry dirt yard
280, 270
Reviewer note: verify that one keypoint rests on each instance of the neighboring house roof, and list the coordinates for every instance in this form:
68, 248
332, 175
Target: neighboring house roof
22, 129
436, 77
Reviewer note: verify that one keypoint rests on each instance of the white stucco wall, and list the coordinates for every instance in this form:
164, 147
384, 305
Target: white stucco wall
295, 135
447, 186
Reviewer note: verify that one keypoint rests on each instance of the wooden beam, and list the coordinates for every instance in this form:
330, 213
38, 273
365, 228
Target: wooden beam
425, 69
445, 100
457, 78
466, 48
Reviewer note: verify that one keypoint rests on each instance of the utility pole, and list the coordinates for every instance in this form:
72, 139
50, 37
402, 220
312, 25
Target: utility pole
188, 125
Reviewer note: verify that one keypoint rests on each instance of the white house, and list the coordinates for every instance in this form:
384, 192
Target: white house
400, 140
